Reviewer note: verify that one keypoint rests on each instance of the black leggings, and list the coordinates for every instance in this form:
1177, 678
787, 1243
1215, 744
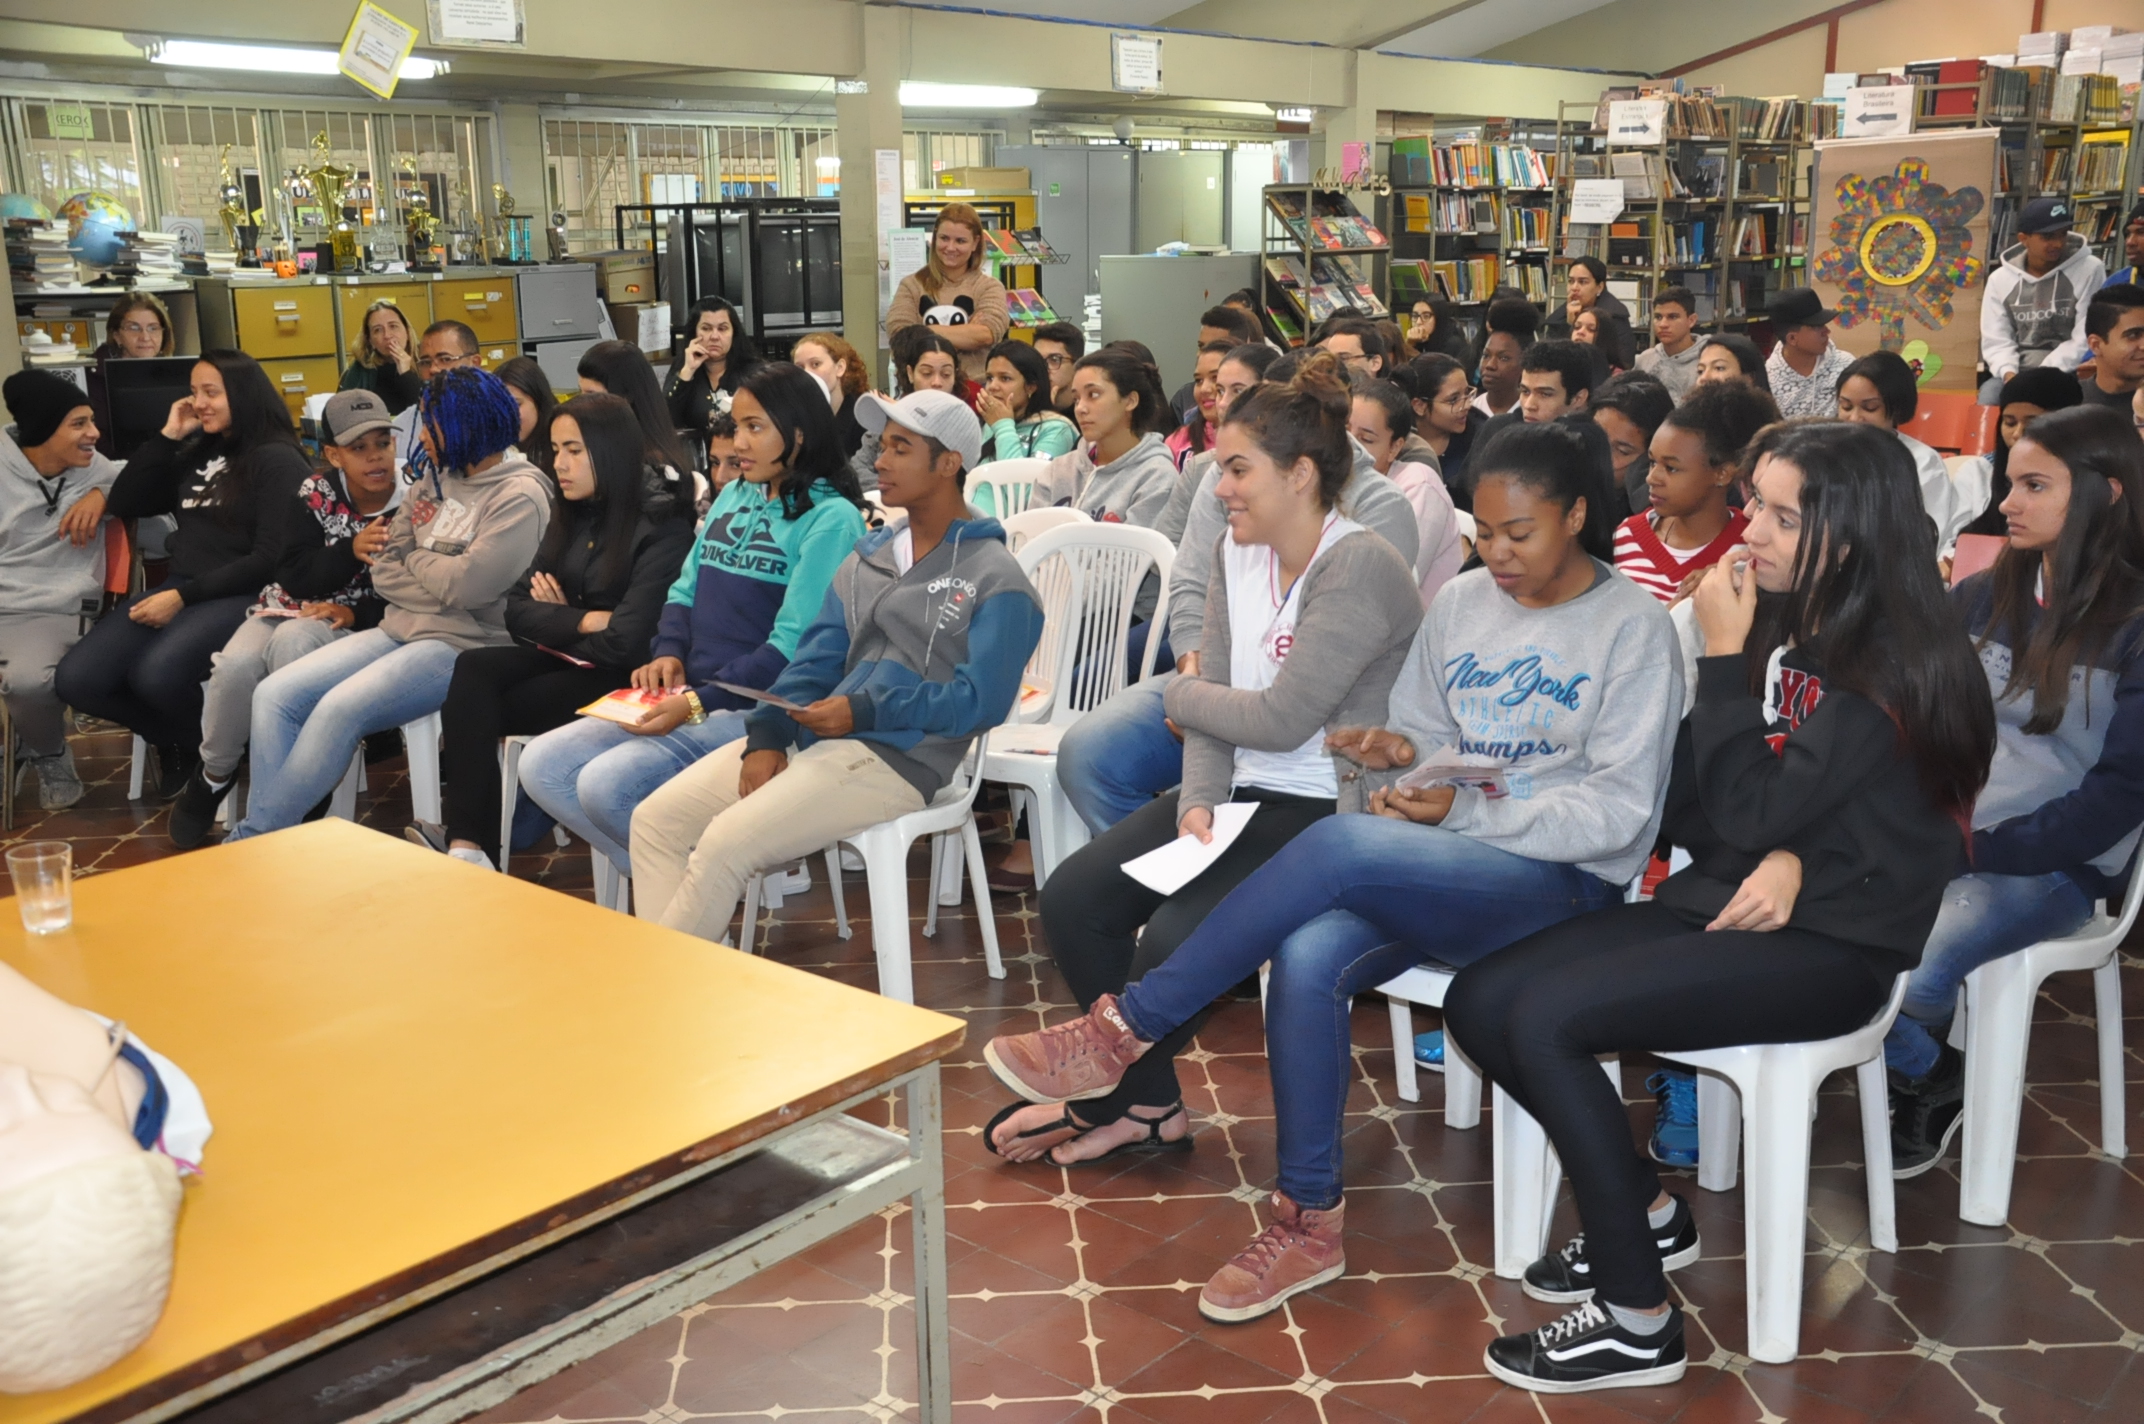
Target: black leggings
1092, 914
148, 680
1631, 978
503, 692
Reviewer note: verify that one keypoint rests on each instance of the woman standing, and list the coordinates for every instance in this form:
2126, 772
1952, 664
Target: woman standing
1310, 620
1121, 471
716, 357
1822, 782
1015, 407
841, 370
224, 465
383, 358
581, 619
953, 293
1984, 483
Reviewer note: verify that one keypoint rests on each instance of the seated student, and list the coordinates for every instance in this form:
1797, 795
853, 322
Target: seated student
1120, 472
1628, 409
445, 346
1728, 357
1585, 289
1673, 356
787, 514
619, 368
841, 369
1511, 324
1542, 636
1805, 367
1060, 344
1014, 407
1983, 484
1446, 420
1615, 346
1224, 324
1840, 733
225, 466
462, 537
1122, 754
322, 591
1357, 343
2032, 310
1381, 420
1696, 459
2114, 329
1879, 389
1194, 437
137, 327
716, 357
580, 618
1311, 618
1434, 329
2059, 624
1240, 369
53, 485
530, 385
2132, 250
1555, 383
917, 652
383, 358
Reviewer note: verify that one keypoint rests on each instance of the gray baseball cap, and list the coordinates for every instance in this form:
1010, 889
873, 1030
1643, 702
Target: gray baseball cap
350, 414
944, 417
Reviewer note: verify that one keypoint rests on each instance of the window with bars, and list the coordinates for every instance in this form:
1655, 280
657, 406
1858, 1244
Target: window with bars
349, 141
57, 160
926, 153
189, 142
593, 165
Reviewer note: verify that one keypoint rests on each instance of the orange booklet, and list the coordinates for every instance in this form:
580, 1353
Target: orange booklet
626, 706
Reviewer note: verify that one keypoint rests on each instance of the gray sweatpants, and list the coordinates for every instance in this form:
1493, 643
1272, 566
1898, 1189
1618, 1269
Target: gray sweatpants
31, 646
259, 647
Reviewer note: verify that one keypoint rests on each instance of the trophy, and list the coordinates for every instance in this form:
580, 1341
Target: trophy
421, 222
240, 230
330, 182
516, 239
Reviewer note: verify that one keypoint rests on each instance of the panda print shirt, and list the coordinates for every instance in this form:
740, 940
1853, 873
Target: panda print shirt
971, 299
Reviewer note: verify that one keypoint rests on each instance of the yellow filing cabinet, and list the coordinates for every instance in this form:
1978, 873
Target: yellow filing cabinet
303, 376
354, 298
279, 322
485, 303
494, 354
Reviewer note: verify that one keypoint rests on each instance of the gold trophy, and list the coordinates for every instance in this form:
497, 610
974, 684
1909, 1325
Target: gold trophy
421, 222
515, 242
231, 206
330, 182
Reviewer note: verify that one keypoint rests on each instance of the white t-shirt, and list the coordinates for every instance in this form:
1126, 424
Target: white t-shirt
1261, 630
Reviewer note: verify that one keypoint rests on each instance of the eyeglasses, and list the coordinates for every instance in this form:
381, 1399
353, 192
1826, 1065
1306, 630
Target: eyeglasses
1457, 398
427, 363
137, 328
1058, 361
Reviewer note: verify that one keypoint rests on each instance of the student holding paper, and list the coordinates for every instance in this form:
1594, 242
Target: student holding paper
748, 591
1310, 617
1544, 662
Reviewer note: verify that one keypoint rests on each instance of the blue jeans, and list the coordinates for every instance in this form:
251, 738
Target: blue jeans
1983, 918
308, 718
1345, 906
590, 773
1119, 756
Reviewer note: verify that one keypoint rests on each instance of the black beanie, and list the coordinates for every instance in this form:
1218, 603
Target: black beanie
40, 401
2048, 387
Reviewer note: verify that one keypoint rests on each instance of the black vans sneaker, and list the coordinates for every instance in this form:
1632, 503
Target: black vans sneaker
1563, 1277
1585, 1350
1926, 1113
193, 814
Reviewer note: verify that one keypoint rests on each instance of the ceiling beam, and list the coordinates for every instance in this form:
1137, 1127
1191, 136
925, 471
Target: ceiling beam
1828, 18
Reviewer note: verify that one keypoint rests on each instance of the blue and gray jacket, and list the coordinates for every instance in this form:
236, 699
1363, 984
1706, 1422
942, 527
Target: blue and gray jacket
929, 659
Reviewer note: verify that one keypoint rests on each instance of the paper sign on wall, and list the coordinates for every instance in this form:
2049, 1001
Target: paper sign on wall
1135, 63
488, 23
1878, 111
1596, 200
70, 121
1637, 121
373, 50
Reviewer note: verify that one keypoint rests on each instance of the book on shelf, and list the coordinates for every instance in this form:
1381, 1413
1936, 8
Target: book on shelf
1286, 323
1039, 250
1525, 226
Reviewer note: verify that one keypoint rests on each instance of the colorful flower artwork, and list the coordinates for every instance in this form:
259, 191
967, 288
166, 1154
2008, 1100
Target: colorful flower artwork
1901, 246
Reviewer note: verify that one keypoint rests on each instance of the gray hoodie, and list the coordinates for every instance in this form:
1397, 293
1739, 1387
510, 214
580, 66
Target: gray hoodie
2026, 321
1131, 489
41, 571
458, 545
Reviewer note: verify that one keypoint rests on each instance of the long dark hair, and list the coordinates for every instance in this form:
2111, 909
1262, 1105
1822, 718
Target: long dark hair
2097, 585
526, 375
811, 446
611, 433
1305, 416
1746, 355
1196, 427
744, 355
2051, 390
1614, 340
259, 420
1132, 374
1033, 371
908, 345
621, 369
1868, 602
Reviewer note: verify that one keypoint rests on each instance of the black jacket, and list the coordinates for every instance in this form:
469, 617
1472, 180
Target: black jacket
217, 552
692, 403
1839, 790
635, 604
319, 562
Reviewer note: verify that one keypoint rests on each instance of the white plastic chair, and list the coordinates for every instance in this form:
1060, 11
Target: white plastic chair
1999, 997
1021, 527
1464, 523
614, 888
884, 848
1462, 1080
755, 891
1088, 576
509, 793
421, 740
1004, 487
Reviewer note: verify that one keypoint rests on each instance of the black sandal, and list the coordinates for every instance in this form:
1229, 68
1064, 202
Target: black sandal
1152, 1142
1064, 1121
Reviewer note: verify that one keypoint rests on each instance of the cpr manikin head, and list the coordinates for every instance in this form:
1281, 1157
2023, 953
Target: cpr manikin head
87, 1218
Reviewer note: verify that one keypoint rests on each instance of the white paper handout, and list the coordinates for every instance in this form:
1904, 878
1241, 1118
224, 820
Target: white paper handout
1175, 865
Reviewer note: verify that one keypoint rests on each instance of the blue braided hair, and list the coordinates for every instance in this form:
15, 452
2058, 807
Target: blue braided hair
472, 416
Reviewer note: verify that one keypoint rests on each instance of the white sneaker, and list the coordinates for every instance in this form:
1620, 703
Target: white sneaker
472, 855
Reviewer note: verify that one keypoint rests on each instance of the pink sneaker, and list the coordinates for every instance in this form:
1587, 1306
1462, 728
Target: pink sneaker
1067, 1062
1301, 1249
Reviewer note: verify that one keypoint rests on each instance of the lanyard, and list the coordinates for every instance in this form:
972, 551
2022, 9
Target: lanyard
52, 495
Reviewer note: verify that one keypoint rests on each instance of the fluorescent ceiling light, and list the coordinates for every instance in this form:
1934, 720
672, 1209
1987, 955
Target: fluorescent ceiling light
270, 59
915, 95
1295, 116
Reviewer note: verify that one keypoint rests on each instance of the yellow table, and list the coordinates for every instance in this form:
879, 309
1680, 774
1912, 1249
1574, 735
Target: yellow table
420, 1071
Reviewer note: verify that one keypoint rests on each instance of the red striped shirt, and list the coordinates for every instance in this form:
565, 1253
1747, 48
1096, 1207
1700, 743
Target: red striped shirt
1659, 570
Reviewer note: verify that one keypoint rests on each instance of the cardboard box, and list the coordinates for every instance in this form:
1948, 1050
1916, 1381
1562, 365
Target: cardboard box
646, 324
623, 276
987, 180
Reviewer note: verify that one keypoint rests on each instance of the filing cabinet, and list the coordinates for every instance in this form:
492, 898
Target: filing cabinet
486, 304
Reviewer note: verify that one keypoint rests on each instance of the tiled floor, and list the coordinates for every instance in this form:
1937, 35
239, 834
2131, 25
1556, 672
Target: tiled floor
1073, 1291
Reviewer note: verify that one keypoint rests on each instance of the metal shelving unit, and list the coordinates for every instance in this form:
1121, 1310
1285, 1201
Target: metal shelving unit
1493, 226
1290, 209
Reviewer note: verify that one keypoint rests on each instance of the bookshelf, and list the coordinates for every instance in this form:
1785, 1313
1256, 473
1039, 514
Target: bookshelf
1319, 257
1471, 213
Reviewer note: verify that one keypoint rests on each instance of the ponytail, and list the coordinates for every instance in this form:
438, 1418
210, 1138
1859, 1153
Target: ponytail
1303, 417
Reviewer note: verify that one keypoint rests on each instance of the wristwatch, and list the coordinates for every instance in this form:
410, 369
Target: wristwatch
698, 714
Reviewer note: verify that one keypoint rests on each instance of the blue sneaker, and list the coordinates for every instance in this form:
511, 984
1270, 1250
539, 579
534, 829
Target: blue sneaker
1674, 1140
1429, 1050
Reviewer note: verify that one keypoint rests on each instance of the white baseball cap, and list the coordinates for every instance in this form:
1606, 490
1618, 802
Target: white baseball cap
942, 416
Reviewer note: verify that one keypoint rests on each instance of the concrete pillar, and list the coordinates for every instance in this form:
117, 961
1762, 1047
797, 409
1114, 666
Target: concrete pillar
867, 123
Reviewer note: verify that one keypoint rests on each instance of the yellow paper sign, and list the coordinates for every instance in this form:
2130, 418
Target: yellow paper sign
373, 50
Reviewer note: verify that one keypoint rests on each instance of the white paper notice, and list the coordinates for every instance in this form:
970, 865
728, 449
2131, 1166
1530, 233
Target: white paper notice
1177, 864
476, 22
1637, 121
1596, 200
1876, 111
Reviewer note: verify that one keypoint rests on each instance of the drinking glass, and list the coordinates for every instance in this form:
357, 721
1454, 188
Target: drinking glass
43, 872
